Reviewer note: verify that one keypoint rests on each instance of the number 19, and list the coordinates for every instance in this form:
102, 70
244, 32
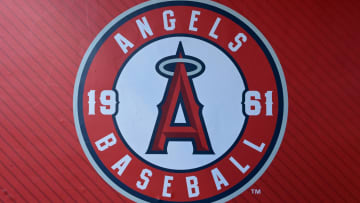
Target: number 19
107, 100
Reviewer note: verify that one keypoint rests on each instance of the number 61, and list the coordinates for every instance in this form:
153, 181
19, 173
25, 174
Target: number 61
253, 105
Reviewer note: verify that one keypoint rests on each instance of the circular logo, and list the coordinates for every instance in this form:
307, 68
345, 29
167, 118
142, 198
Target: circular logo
180, 101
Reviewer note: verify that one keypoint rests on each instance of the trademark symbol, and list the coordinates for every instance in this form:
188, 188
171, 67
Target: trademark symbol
255, 191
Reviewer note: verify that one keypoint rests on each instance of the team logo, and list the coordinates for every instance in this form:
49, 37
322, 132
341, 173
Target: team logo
180, 101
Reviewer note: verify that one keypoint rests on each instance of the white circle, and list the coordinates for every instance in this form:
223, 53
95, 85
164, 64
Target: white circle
141, 88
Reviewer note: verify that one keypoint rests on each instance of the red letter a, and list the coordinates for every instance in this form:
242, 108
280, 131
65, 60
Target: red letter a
180, 92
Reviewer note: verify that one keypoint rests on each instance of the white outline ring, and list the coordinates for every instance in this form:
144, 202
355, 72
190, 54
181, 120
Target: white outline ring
198, 65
